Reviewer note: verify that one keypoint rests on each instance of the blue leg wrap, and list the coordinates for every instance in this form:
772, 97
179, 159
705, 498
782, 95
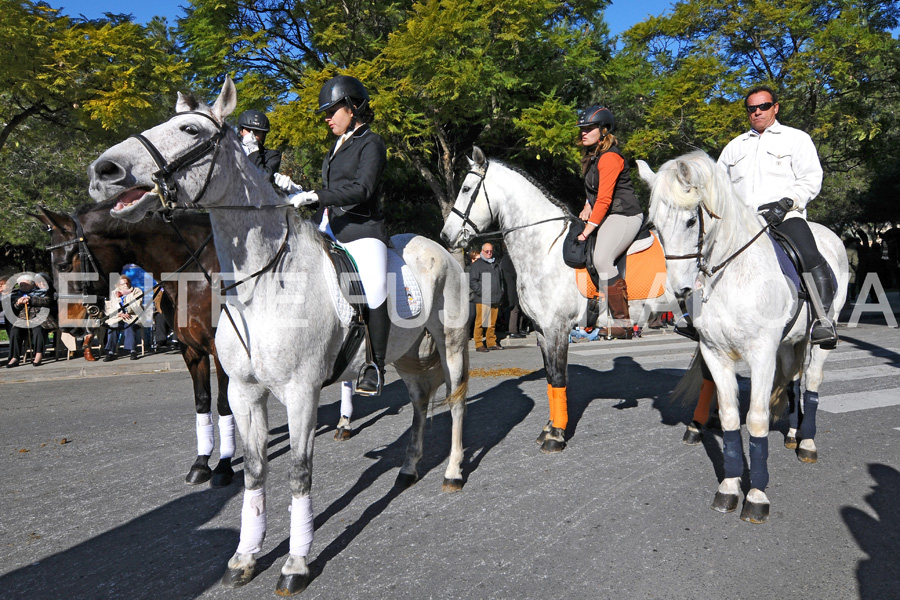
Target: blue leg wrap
759, 459
808, 425
732, 449
793, 394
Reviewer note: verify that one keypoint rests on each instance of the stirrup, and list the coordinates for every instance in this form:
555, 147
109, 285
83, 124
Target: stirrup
826, 343
361, 381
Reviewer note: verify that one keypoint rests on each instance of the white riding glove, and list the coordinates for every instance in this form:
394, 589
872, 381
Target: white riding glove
303, 199
287, 184
250, 143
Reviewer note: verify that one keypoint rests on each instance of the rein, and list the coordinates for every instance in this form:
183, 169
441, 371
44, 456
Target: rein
701, 261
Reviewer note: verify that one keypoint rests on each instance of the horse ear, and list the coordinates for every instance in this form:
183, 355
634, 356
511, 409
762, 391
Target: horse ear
185, 103
646, 172
47, 218
478, 157
684, 174
226, 102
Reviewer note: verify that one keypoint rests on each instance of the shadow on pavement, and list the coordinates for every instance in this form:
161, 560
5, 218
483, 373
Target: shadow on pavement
165, 553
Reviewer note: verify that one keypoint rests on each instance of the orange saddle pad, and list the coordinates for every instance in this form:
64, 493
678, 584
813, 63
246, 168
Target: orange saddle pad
645, 274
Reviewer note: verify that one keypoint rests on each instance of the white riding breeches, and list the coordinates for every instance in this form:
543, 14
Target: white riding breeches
370, 256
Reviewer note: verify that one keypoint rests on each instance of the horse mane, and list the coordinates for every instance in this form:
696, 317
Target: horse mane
543, 190
694, 179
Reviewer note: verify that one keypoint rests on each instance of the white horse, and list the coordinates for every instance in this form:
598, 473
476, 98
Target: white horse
534, 225
746, 306
286, 332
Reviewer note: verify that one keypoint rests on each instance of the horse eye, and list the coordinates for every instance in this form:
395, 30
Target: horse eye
692, 221
190, 129
63, 267
466, 189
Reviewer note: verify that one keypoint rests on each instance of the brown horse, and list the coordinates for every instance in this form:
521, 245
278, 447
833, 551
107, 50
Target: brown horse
91, 242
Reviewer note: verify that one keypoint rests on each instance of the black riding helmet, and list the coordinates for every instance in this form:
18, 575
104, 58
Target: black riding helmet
253, 120
597, 115
343, 88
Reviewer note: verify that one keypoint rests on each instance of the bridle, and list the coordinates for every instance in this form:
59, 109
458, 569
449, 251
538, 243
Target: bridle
86, 260
164, 178
702, 265
481, 173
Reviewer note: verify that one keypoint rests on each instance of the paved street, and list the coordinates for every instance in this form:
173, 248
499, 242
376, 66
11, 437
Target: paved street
94, 504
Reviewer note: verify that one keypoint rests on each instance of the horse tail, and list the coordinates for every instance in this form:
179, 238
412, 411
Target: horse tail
688, 388
783, 381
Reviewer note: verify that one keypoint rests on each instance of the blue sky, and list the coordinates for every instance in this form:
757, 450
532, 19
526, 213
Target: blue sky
620, 16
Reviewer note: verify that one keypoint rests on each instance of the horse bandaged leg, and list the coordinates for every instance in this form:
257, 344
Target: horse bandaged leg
205, 437
301, 526
808, 423
347, 399
759, 457
253, 521
559, 412
732, 450
226, 436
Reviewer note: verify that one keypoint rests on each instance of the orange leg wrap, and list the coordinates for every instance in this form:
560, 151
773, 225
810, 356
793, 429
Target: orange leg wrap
558, 407
550, 400
701, 413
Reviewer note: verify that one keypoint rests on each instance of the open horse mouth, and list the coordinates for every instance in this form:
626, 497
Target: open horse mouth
133, 204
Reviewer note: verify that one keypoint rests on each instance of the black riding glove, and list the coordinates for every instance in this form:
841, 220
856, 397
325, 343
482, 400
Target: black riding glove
774, 212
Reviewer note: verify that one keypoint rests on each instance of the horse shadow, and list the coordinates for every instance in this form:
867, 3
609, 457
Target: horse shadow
167, 550
879, 536
629, 383
490, 417
875, 349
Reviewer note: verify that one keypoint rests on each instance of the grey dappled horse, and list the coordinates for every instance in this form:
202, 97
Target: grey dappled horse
534, 225
286, 331
746, 305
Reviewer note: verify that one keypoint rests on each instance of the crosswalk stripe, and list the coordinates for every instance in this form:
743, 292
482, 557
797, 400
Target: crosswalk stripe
842, 403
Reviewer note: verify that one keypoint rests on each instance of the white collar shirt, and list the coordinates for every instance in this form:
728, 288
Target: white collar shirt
781, 162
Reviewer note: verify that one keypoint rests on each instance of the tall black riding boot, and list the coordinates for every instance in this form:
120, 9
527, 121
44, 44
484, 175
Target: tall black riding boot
823, 333
372, 377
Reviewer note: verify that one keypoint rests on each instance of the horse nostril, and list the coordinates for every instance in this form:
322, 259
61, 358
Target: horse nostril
445, 238
107, 170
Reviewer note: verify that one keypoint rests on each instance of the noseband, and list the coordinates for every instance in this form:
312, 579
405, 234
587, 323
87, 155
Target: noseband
164, 178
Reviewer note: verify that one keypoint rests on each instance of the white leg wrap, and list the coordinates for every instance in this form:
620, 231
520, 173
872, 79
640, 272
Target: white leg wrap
205, 439
226, 436
347, 399
301, 526
253, 521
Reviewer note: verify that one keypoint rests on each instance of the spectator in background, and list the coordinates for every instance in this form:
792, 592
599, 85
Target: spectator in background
27, 302
253, 126
853, 261
485, 283
510, 301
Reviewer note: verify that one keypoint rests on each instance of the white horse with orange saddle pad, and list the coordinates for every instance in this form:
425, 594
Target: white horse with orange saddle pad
534, 226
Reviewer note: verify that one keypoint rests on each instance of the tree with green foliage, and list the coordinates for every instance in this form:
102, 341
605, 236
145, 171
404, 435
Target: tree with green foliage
444, 74
833, 63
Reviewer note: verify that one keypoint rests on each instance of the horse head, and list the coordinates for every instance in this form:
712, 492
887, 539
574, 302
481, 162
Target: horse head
76, 283
186, 161
472, 205
675, 201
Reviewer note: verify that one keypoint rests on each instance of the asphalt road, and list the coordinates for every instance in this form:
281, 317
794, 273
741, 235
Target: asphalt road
94, 505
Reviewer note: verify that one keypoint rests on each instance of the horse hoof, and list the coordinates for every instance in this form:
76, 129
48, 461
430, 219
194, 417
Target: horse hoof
198, 474
222, 474
755, 513
405, 481
790, 442
692, 435
235, 578
452, 485
342, 434
807, 456
288, 585
725, 502
555, 441
540, 439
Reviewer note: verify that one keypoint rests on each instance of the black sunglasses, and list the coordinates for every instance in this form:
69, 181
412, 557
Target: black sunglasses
751, 108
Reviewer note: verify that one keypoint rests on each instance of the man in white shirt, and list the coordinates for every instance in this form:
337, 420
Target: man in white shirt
776, 170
